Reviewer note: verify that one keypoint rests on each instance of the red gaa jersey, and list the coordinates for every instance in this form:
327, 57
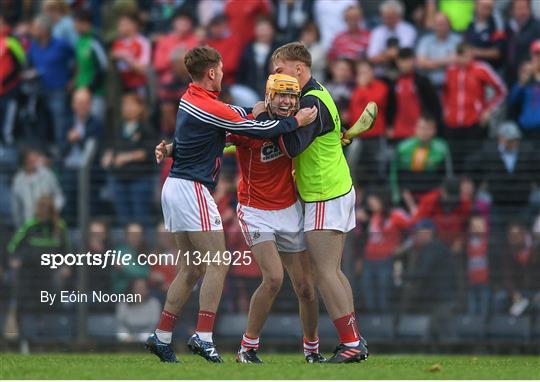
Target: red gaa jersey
266, 180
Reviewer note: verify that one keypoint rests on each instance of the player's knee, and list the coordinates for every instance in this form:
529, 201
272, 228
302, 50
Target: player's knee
273, 283
306, 292
193, 274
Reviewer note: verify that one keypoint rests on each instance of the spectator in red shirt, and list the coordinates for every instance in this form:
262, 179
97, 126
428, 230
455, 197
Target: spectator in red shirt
242, 16
353, 42
467, 108
449, 208
385, 228
411, 93
168, 62
228, 44
477, 266
368, 88
131, 53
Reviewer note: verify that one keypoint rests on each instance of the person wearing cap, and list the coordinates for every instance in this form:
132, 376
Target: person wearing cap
524, 96
431, 278
509, 168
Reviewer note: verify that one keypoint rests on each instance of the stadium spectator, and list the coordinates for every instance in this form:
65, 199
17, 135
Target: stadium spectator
99, 241
329, 18
430, 281
477, 266
160, 15
13, 59
368, 88
123, 275
520, 272
63, 25
311, 37
135, 320
208, 9
353, 42
52, 60
421, 162
449, 208
291, 17
228, 44
242, 16
341, 85
254, 65
129, 160
460, 13
436, 51
522, 29
379, 51
32, 181
385, 230
91, 62
44, 232
131, 52
467, 108
525, 96
163, 273
410, 94
486, 34
82, 127
169, 64
509, 169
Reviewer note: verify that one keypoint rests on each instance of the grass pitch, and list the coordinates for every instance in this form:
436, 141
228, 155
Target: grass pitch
276, 366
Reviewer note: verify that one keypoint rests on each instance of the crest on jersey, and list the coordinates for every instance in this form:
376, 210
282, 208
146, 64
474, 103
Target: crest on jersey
269, 152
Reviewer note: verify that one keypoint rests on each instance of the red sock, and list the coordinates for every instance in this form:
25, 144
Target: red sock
347, 328
205, 322
167, 321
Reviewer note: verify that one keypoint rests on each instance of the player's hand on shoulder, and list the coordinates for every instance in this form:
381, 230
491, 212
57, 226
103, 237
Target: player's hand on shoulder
306, 115
258, 108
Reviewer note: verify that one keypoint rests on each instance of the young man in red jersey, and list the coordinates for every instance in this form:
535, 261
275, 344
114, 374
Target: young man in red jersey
271, 218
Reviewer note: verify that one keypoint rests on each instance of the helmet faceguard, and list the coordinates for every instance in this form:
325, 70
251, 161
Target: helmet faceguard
277, 106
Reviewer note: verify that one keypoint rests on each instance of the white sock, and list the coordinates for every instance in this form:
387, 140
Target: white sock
205, 336
249, 343
352, 344
311, 347
163, 336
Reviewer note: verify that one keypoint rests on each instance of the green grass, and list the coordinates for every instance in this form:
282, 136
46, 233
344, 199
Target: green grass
276, 366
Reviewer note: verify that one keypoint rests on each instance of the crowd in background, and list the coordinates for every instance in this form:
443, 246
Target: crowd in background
447, 181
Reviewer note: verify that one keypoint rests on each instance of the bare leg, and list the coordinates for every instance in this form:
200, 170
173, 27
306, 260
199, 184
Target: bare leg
186, 278
343, 278
267, 258
214, 277
300, 270
326, 249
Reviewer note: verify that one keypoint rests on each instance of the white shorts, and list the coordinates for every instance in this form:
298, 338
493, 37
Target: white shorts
188, 206
336, 214
284, 227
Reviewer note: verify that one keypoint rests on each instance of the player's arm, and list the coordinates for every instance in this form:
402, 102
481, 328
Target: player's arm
163, 150
294, 143
229, 120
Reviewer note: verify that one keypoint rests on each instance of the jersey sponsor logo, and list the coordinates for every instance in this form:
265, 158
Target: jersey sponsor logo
269, 152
